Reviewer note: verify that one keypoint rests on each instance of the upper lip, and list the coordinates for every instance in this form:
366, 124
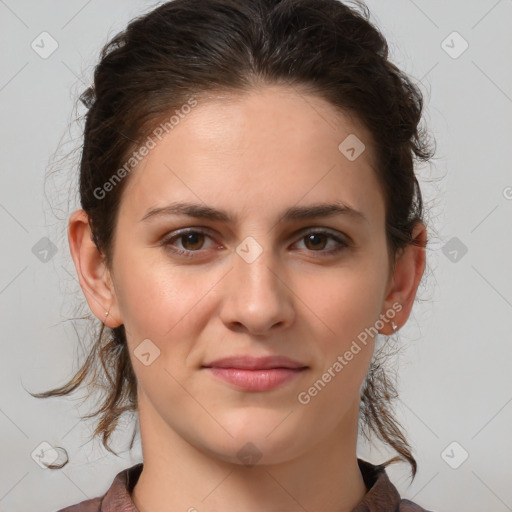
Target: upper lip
255, 363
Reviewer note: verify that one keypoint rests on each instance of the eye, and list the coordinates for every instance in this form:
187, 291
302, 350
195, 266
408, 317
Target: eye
192, 241
316, 241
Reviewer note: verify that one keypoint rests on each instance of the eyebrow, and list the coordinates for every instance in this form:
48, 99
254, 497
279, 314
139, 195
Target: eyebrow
201, 211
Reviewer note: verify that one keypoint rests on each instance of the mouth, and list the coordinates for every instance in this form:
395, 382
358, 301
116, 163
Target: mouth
255, 380
255, 374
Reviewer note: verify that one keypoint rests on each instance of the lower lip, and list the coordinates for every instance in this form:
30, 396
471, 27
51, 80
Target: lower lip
256, 380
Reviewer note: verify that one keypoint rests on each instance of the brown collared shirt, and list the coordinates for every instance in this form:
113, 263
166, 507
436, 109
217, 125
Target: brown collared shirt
382, 495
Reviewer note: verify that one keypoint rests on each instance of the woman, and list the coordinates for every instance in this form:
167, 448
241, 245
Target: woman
250, 222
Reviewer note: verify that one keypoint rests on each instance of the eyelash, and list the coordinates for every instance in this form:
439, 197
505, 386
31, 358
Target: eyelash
167, 242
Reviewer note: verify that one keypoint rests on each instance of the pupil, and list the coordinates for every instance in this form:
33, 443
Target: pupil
190, 238
311, 237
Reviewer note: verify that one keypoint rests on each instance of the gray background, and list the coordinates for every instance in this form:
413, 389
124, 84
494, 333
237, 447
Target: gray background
455, 375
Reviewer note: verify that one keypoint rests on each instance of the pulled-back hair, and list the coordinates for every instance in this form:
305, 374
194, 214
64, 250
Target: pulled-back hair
185, 50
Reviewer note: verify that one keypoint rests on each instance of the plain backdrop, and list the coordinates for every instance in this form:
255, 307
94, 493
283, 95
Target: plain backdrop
455, 375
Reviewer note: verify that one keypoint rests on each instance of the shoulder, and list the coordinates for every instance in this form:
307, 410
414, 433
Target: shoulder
117, 496
409, 506
93, 505
381, 494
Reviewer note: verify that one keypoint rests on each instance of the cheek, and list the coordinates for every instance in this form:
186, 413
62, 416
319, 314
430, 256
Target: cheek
343, 306
155, 297
342, 302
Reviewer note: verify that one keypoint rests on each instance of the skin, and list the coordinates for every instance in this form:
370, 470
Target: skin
253, 155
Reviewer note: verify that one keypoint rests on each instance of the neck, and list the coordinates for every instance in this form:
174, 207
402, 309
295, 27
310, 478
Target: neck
180, 476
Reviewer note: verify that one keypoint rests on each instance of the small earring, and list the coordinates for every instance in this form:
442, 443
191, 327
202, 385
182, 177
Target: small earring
394, 326
106, 314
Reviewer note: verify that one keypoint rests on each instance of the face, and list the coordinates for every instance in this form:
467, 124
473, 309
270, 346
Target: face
260, 284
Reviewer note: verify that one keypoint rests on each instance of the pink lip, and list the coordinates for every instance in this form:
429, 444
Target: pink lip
255, 380
255, 374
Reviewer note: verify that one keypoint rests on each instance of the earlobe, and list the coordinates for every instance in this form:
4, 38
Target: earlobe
409, 269
92, 272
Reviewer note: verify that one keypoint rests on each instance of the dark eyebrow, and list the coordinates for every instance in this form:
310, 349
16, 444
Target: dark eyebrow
200, 211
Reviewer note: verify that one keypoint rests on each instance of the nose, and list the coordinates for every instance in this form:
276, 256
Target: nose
257, 297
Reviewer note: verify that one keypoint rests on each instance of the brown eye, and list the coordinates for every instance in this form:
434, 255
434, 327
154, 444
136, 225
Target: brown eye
192, 241
315, 240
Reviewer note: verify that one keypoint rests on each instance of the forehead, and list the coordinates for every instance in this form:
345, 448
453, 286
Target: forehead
272, 147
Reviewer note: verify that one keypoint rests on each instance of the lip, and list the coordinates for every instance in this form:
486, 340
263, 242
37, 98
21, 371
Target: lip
255, 373
255, 363
255, 380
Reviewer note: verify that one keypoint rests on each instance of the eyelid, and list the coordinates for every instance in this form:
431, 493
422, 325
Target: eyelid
321, 229
310, 229
342, 240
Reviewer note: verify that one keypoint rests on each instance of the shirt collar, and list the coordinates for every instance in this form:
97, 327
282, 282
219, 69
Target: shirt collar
381, 495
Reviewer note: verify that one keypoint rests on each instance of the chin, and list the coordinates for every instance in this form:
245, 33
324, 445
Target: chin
257, 442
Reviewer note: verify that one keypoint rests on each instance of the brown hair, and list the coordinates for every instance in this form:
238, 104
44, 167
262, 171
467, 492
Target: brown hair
187, 48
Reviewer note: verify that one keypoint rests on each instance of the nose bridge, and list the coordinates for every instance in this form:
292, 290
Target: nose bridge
257, 295
256, 267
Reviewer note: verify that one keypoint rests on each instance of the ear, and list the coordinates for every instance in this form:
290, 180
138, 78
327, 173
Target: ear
93, 274
404, 282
